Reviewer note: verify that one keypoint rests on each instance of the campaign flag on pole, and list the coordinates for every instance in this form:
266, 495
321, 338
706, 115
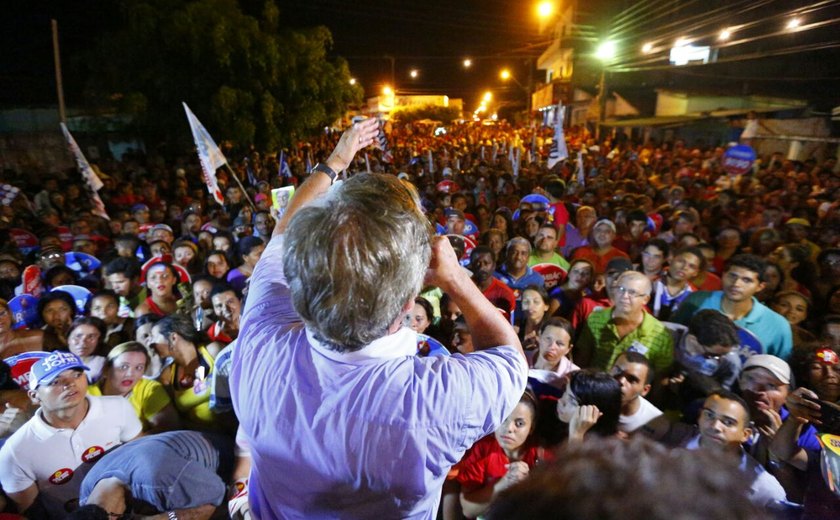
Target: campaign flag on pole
558, 145
495, 152
534, 146
252, 179
581, 177
458, 163
387, 156
92, 182
308, 163
430, 160
283, 169
482, 152
209, 155
516, 161
510, 156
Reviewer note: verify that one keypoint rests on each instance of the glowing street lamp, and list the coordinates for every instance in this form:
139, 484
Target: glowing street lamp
352, 81
414, 73
606, 51
467, 63
545, 9
793, 23
725, 34
647, 48
504, 74
386, 90
487, 97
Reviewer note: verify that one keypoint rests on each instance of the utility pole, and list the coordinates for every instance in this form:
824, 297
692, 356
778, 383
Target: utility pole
59, 85
602, 102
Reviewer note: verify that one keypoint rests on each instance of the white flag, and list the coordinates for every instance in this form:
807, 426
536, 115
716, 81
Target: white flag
209, 155
431, 161
92, 181
581, 177
517, 158
558, 145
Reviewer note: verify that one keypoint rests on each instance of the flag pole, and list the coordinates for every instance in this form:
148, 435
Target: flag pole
241, 187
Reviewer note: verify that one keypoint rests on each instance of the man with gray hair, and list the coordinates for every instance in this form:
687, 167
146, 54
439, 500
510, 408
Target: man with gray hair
343, 419
515, 271
625, 327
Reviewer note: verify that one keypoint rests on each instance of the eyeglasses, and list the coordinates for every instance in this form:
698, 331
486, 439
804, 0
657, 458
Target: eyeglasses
624, 291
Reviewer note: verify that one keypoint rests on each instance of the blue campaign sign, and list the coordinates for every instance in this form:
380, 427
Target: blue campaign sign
25, 312
81, 262
80, 295
429, 346
750, 344
739, 159
470, 228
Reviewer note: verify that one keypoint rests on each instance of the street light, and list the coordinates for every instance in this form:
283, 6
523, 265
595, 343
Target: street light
606, 51
487, 96
413, 73
504, 74
386, 90
352, 81
545, 9
793, 23
725, 34
647, 48
467, 63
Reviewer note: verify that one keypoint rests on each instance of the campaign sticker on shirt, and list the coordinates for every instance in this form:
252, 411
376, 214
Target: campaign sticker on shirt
638, 347
93, 454
429, 346
61, 476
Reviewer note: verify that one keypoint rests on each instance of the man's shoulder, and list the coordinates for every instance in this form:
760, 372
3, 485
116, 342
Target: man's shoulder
599, 317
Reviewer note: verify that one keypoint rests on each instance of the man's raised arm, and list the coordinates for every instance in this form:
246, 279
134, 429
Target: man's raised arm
488, 326
358, 136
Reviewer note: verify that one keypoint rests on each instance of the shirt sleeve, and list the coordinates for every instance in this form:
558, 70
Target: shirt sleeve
269, 298
13, 477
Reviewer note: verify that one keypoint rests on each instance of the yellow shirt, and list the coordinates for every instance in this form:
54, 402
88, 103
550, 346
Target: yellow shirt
148, 398
193, 403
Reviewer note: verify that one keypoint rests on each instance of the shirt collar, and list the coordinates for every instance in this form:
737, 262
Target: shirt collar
43, 430
402, 343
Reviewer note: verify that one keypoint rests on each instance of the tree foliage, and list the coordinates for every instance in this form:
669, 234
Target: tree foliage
247, 78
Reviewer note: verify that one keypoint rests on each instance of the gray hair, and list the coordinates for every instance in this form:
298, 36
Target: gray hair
518, 241
354, 259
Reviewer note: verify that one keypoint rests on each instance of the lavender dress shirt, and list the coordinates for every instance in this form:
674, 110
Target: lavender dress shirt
367, 434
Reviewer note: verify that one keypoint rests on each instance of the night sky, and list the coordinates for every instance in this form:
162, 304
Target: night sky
434, 36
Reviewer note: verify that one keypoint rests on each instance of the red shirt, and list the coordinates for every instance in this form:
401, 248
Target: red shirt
711, 282
485, 463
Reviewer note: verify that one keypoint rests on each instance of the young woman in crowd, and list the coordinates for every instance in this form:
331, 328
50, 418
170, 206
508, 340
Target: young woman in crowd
577, 285
794, 306
123, 376
161, 282
421, 315
591, 404
553, 358
56, 309
85, 339
105, 305
188, 378
499, 461
216, 264
535, 304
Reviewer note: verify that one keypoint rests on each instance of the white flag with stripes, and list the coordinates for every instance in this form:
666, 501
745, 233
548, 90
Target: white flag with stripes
558, 150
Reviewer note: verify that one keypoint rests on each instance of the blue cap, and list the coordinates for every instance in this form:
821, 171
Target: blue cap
44, 371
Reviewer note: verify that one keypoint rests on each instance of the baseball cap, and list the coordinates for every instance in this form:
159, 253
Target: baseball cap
778, 367
259, 197
44, 371
450, 212
619, 264
158, 227
139, 207
605, 222
796, 221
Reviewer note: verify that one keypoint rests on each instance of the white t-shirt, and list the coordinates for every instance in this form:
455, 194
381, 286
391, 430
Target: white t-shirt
57, 459
645, 413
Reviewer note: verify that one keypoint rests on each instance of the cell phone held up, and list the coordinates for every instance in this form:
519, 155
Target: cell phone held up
829, 415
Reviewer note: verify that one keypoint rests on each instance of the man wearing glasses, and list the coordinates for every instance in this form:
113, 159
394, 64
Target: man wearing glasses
625, 327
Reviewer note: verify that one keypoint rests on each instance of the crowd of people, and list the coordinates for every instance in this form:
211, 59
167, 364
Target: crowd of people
660, 303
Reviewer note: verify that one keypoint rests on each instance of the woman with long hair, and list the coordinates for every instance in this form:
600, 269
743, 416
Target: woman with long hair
591, 404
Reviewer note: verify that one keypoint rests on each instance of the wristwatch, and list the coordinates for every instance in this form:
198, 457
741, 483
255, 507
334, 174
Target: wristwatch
323, 168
